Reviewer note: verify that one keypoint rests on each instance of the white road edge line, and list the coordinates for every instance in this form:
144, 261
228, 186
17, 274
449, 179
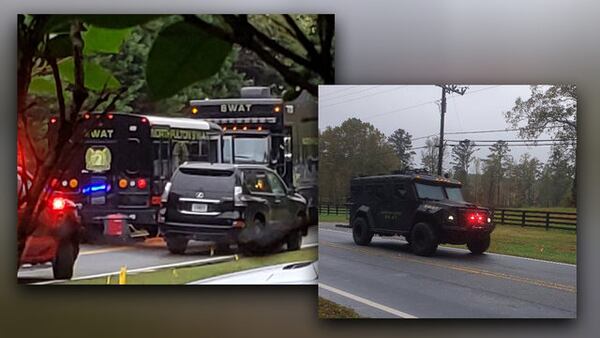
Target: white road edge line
149, 268
465, 250
367, 302
156, 267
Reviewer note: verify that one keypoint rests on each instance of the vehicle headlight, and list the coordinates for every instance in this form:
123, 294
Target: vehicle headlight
451, 218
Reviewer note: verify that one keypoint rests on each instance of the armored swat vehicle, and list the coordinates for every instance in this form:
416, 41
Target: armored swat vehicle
427, 210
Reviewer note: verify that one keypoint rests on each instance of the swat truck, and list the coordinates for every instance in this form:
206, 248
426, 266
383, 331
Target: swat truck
427, 210
259, 128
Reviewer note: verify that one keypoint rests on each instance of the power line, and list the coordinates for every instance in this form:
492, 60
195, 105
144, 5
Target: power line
349, 94
425, 103
480, 132
361, 97
522, 140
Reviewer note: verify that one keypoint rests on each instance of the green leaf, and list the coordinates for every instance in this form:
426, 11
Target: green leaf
95, 77
104, 40
118, 21
181, 55
59, 47
42, 85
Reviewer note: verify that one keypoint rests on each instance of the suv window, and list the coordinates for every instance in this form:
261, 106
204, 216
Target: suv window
276, 185
454, 194
204, 180
257, 182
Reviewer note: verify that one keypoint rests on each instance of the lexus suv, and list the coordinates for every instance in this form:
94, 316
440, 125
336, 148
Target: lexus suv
427, 210
247, 205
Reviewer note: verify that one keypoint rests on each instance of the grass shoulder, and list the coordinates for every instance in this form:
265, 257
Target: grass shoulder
331, 310
183, 275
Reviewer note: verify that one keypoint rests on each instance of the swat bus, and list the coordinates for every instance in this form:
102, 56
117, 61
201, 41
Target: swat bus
261, 129
124, 162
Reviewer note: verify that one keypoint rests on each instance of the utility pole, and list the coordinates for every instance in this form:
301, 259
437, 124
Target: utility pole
445, 88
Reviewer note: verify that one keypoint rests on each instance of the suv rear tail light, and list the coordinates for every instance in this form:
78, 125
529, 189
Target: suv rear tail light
165, 195
58, 203
141, 183
239, 223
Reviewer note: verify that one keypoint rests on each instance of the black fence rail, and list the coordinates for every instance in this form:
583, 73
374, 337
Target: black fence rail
524, 218
334, 209
537, 219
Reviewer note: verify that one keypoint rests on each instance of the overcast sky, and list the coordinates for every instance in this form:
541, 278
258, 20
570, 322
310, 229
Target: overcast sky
416, 110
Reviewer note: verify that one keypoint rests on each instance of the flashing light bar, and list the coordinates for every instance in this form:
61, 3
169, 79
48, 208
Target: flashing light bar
94, 188
244, 120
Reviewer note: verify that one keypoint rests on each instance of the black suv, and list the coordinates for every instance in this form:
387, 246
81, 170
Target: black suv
426, 210
248, 205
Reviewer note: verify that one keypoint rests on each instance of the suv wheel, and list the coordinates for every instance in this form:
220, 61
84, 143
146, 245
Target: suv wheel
294, 240
177, 244
62, 266
479, 245
423, 239
360, 232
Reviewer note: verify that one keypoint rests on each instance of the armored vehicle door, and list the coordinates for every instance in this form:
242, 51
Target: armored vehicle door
399, 207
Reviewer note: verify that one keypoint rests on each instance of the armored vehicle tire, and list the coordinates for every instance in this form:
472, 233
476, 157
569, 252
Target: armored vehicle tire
177, 244
360, 232
423, 239
66, 253
479, 245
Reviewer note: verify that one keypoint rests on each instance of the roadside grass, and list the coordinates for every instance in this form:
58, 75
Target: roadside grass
331, 310
184, 275
333, 218
551, 245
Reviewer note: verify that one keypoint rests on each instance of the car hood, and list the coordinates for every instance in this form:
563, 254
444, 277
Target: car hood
304, 272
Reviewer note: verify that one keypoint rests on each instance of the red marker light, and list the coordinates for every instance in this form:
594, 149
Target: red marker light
58, 203
87, 116
259, 128
144, 120
141, 183
110, 116
53, 120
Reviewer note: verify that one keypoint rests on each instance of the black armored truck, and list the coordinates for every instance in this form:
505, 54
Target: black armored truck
427, 210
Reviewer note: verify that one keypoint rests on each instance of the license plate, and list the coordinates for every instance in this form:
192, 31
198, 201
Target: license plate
98, 199
199, 207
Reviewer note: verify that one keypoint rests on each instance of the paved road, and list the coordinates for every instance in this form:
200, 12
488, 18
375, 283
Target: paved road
386, 280
101, 259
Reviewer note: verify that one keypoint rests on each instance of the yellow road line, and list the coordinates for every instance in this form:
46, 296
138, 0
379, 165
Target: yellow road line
461, 268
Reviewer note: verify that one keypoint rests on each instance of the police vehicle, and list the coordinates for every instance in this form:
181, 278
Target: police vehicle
124, 162
261, 129
427, 210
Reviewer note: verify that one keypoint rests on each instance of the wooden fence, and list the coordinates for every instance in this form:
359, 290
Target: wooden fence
537, 219
524, 218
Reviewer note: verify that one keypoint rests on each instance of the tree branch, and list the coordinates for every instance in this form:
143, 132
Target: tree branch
299, 34
292, 77
59, 89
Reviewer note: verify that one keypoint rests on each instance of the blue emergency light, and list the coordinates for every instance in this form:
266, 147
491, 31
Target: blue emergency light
88, 189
